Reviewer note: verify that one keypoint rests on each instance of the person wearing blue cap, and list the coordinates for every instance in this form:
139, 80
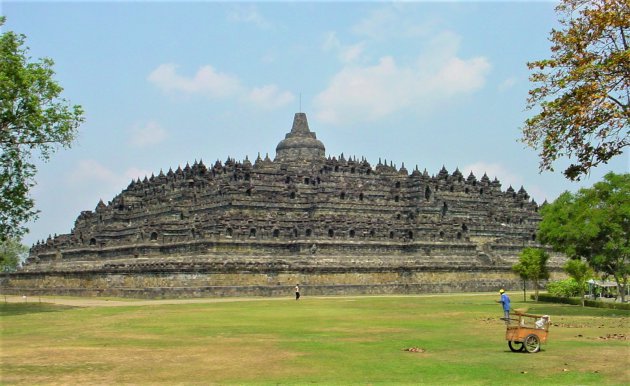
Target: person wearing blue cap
505, 302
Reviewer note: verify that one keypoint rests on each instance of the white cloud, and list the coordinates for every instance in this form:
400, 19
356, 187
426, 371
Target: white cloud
331, 42
507, 84
91, 179
345, 53
392, 21
151, 133
378, 24
89, 170
351, 53
461, 76
250, 15
206, 81
365, 93
209, 82
269, 97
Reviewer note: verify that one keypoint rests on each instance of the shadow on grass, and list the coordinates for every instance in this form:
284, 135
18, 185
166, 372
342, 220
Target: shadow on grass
11, 309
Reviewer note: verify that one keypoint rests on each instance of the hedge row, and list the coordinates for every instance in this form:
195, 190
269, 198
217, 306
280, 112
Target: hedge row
587, 302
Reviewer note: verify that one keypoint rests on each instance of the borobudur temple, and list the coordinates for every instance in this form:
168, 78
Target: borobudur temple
333, 225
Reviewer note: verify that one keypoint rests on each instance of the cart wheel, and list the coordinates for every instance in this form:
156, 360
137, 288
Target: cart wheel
516, 346
531, 343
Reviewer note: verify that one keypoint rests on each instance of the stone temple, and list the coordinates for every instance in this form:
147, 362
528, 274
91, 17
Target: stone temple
333, 225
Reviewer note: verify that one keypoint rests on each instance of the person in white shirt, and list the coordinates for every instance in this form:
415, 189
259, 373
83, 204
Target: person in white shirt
542, 322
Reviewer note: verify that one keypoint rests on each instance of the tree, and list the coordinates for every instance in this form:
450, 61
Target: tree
532, 265
12, 253
34, 121
582, 92
593, 224
581, 272
564, 288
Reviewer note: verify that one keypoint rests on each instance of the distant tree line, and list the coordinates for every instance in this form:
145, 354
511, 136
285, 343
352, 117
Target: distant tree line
592, 228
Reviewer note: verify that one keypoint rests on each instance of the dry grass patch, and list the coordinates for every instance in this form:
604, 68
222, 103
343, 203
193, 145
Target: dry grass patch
221, 361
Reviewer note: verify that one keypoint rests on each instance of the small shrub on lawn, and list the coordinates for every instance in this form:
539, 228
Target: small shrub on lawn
565, 288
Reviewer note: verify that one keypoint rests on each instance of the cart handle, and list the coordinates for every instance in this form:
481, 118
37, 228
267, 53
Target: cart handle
527, 315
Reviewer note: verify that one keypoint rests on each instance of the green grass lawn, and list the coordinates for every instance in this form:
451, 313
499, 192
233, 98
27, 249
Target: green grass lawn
329, 340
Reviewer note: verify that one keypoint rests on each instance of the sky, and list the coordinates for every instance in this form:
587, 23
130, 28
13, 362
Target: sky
426, 84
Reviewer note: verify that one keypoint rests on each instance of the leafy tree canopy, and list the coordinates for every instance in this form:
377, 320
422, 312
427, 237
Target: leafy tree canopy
582, 91
565, 288
12, 253
532, 266
593, 224
34, 121
580, 272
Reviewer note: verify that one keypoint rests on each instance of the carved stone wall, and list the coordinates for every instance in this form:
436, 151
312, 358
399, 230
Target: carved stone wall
267, 278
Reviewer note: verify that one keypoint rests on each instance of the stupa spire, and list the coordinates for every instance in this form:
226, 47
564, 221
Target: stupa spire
300, 124
301, 144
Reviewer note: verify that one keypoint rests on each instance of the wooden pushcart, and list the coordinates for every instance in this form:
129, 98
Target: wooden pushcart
527, 332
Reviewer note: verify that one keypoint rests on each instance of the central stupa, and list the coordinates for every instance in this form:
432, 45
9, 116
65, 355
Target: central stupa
301, 144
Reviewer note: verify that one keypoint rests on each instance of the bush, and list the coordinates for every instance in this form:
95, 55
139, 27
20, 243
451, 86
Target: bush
565, 288
576, 302
558, 299
611, 305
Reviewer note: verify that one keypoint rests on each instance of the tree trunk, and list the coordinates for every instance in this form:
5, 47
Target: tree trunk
621, 287
535, 281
